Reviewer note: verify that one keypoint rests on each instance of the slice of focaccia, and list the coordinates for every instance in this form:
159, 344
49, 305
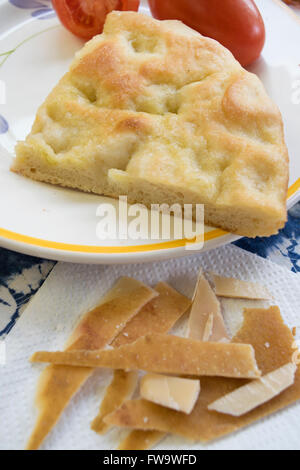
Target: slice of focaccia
153, 110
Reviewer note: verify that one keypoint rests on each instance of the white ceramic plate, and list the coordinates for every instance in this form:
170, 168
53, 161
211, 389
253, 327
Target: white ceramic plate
56, 223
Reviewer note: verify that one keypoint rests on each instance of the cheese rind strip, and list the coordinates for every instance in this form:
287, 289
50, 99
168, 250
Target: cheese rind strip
205, 303
296, 354
166, 354
233, 311
256, 393
260, 326
141, 440
120, 389
96, 329
159, 315
235, 288
173, 392
208, 330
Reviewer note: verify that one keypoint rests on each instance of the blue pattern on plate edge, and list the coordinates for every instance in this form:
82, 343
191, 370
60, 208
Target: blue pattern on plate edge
42, 9
21, 276
283, 248
3, 125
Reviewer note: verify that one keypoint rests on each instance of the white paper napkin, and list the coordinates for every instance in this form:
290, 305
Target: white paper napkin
69, 292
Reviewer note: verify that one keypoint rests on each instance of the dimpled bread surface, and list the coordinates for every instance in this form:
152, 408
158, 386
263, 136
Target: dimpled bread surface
155, 111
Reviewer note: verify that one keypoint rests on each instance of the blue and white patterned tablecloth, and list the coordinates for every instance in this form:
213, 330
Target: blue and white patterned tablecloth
21, 275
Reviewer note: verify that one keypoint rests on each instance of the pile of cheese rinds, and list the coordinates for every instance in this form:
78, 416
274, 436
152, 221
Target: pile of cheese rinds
200, 386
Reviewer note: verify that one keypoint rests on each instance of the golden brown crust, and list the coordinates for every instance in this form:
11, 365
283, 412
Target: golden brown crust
171, 109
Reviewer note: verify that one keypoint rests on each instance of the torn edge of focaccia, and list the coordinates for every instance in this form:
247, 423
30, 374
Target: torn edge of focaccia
250, 396
206, 322
96, 329
173, 392
158, 315
235, 288
166, 354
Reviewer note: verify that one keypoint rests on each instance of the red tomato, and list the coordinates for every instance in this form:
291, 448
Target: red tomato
292, 2
237, 24
85, 18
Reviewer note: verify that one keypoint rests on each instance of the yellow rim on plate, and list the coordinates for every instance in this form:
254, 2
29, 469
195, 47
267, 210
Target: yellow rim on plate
17, 237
